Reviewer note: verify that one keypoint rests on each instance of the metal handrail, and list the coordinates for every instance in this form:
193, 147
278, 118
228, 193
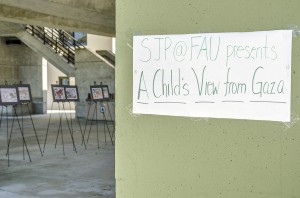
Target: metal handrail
60, 41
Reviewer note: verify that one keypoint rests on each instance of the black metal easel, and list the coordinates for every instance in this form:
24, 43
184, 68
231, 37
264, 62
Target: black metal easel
76, 116
22, 133
60, 128
111, 119
95, 113
33, 126
92, 121
10, 97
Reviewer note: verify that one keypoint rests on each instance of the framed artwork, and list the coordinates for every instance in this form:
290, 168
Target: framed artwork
72, 93
96, 92
24, 93
105, 91
58, 93
9, 95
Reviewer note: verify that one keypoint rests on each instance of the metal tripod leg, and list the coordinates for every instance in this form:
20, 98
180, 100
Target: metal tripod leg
80, 129
86, 123
108, 129
69, 128
97, 124
91, 126
23, 130
47, 129
111, 119
37, 139
22, 133
8, 139
1, 115
60, 130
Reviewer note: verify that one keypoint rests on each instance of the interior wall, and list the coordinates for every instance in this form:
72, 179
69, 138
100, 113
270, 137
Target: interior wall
165, 156
20, 63
89, 69
9, 65
96, 42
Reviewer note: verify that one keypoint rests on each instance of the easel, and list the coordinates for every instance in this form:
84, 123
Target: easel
72, 95
105, 100
12, 102
60, 128
76, 115
37, 139
26, 102
102, 110
65, 98
86, 122
111, 119
22, 133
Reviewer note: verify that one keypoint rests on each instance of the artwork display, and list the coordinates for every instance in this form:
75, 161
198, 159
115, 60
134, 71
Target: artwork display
72, 93
97, 93
24, 93
65, 93
58, 93
9, 95
105, 91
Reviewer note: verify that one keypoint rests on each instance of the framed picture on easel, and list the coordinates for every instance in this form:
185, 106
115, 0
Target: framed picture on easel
24, 92
58, 93
9, 95
105, 91
97, 92
72, 93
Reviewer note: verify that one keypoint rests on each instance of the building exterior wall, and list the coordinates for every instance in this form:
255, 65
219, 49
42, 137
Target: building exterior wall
165, 156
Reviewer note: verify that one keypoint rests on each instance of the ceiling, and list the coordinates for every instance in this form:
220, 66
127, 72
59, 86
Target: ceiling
90, 16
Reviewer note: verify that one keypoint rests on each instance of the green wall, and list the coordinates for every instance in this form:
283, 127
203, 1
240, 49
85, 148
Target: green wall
165, 156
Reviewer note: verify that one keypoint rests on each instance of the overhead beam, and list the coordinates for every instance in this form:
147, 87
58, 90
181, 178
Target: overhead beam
10, 29
62, 16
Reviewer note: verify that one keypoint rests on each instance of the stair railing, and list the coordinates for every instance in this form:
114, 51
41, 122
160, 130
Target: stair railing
58, 40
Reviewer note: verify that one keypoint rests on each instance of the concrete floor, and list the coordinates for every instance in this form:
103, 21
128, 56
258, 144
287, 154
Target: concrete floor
87, 173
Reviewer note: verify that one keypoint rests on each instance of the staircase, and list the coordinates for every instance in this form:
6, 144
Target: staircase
108, 57
59, 40
57, 46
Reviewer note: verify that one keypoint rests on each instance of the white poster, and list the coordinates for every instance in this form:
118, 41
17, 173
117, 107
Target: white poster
214, 75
